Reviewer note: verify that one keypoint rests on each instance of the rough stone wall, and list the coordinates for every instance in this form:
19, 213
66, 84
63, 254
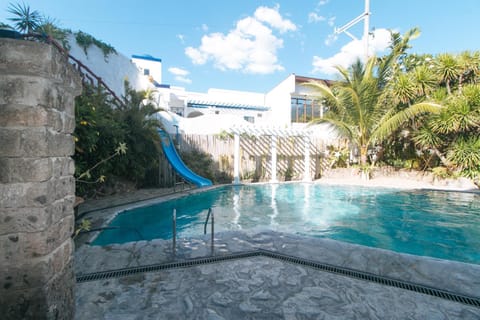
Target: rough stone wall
37, 188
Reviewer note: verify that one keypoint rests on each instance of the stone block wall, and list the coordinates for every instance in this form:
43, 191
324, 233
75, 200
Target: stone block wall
37, 187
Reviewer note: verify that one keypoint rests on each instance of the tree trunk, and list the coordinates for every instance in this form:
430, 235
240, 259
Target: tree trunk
363, 155
442, 158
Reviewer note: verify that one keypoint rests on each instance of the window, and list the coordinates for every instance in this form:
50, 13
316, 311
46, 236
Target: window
304, 109
146, 72
249, 119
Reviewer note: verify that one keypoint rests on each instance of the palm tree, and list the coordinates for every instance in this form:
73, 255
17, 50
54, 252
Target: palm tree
453, 134
469, 67
137, 120
25, 20
424, 80
448, 69
360, 108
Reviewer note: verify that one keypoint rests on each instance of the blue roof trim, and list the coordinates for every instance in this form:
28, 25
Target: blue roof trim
146, 57
206, 104
161, 85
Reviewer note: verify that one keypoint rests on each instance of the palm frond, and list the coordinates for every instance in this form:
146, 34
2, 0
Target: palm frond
343, 128
24, 19
426, 138
392, 124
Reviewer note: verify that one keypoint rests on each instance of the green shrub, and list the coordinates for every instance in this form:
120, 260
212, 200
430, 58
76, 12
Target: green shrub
85, 40
441, 172
199, 162
101, 128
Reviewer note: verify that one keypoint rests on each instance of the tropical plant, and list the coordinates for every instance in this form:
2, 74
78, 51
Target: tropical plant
5, 26
120, 150
49, 27
96, 134
359, 107
470, 67
136, 119
102, 127
85, 40
24, 19
448, 69
453, 134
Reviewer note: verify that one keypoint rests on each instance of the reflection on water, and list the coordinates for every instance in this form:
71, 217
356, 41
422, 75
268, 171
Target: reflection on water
435, 223
236, 209
273, 205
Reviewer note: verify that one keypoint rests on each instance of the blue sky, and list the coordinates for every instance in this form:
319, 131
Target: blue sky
252, 45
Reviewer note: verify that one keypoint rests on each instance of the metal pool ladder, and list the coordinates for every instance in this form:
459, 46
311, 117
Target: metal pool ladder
210, 214
174, 229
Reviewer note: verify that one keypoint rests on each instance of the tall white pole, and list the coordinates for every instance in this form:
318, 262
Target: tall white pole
273, 160
306, 160
365, 16
366, 28
236, 158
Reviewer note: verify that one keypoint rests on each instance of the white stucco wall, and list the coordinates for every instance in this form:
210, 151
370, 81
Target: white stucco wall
206, 124
239, 97
152, 64
279, 99
113, 69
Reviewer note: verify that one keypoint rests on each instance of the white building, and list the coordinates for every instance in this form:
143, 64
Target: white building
287, 105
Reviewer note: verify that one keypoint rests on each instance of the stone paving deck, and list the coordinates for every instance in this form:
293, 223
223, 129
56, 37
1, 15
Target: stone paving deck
264, 288
259, 288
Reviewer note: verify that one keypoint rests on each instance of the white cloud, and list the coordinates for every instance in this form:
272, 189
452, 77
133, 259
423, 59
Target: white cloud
380, 40
180, 74
251, 47
181, 37
315, 17
331, 38
323, 2
178, 71
204, 27
331, 21
274, 19
183, 79
350, 52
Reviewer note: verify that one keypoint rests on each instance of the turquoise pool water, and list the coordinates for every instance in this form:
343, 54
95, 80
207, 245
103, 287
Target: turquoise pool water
429, 223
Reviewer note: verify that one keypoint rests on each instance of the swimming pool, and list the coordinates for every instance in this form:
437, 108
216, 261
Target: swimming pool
439, 224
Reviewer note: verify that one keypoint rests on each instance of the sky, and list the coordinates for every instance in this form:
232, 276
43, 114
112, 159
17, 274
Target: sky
253, 45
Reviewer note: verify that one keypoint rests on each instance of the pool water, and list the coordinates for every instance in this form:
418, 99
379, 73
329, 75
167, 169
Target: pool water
439, 224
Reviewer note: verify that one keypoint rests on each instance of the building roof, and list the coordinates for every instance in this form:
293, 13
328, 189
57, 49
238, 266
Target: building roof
302, 79
194, 103
146, 57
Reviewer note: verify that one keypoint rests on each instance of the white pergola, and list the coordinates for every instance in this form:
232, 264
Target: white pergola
274, 133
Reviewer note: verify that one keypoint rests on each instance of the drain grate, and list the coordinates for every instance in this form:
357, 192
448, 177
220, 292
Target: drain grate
164, 266
352, 273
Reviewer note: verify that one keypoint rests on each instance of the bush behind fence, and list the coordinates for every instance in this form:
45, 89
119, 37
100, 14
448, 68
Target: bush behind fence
255, 155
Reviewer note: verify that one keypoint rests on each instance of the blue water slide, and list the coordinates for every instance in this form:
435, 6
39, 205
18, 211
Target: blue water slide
177, 163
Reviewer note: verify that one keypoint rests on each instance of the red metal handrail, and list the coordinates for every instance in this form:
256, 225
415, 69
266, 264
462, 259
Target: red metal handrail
85, 72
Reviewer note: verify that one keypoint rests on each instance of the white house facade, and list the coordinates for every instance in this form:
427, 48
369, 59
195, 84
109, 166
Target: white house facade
287, 105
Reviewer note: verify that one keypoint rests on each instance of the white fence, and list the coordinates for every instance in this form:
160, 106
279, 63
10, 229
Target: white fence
254, 156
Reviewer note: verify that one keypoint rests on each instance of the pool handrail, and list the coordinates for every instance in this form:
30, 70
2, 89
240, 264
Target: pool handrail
210, 213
